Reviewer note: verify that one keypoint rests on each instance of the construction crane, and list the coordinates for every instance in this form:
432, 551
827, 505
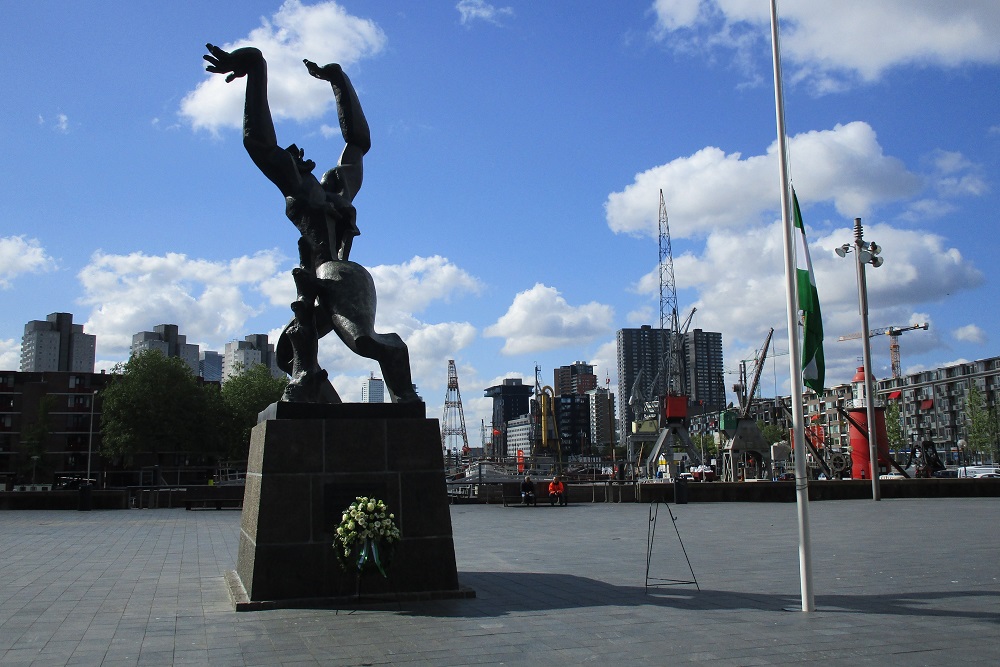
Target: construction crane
669, 319
453, 419
743, 393
893, 333
671, 365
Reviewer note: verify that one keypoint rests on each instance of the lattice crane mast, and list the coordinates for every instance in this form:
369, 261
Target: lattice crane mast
893, 333
669, 319
453, 420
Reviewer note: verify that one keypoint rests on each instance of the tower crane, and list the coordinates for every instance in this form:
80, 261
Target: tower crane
893, 333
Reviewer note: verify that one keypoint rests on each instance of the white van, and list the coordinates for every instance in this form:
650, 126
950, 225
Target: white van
979, 471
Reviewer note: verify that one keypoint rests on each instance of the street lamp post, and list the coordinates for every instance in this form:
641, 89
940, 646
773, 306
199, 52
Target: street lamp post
866, 253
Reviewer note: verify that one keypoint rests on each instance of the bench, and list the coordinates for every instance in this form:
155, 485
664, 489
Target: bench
217, 496
216, 502
512, 494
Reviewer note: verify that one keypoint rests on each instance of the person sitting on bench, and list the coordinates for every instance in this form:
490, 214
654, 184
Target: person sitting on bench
557, 492
528, 491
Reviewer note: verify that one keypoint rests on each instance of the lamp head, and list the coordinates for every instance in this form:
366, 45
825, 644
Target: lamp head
843, 250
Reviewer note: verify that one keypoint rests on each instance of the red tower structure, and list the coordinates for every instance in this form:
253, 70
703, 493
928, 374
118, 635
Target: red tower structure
860, 459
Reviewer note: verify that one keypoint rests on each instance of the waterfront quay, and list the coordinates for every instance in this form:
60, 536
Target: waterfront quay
899, 582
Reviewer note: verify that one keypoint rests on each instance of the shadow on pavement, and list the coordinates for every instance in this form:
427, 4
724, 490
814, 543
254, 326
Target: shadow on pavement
501, 593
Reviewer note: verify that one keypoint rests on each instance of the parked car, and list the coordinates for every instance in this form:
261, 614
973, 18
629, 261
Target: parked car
786, 477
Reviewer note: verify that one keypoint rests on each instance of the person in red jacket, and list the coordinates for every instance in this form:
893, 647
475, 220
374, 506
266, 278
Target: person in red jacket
557, 492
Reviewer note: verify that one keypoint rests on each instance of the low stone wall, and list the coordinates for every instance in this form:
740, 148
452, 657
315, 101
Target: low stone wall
848, 489
116, 499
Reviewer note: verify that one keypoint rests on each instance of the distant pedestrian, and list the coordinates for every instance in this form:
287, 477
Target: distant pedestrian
557, 492
528, 491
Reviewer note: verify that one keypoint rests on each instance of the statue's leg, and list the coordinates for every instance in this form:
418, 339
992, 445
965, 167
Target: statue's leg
309, 382
349, 298
393, 358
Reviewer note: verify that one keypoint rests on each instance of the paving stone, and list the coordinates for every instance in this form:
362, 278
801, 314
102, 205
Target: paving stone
899, 582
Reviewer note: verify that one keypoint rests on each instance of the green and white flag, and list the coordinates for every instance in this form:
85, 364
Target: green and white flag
813, 365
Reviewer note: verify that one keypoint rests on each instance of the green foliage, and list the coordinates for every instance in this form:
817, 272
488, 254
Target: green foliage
772, 433
157, 405
894, 426
243, 397
705, 442
983, 426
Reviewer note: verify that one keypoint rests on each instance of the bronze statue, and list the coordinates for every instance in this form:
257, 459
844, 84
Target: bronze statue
332, 293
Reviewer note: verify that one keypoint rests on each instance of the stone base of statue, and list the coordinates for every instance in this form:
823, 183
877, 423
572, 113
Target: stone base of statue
308, 462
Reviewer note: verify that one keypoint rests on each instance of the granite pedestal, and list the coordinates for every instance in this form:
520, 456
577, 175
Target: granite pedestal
307, 464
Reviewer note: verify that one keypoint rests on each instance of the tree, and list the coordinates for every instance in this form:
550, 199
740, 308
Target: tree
157, 405
983, 427
894, 427
772, 433
705, 442
243, 396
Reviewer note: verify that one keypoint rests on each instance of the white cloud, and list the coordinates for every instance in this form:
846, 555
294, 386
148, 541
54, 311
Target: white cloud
541, 319
741, 292
412, 286
711, 190
208, 300
605, 362
957, 176
480, 10
970, 333
830, 44
323, 33
18, 256
643, 315
61, 123
10, 354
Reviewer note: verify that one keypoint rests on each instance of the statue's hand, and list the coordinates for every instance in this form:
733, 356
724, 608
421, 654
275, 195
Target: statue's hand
235, 64
324, 73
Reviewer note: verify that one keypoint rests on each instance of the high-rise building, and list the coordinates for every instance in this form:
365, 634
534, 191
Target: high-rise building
573, 422
210, 366
373, 390
602, 417
242, 354
645, 350
706, 383
576, 379
640, 350
56, 344
165, 339
510, 401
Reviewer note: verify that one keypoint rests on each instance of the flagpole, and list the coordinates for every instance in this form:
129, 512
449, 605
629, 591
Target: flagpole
794, 356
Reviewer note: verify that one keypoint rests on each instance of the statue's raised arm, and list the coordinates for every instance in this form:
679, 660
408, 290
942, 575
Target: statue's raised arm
353, 126
259, 138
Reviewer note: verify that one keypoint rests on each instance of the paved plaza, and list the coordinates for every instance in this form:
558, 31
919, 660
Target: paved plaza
900, 582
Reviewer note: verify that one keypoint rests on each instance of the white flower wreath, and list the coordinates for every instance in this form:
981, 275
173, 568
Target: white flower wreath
365, 524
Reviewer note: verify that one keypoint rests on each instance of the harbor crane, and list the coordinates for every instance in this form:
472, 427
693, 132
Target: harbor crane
893, 333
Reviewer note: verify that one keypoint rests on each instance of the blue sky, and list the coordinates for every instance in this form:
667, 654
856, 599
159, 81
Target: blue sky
509, 210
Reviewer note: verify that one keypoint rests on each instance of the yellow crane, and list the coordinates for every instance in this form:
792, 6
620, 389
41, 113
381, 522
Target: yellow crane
893, 333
